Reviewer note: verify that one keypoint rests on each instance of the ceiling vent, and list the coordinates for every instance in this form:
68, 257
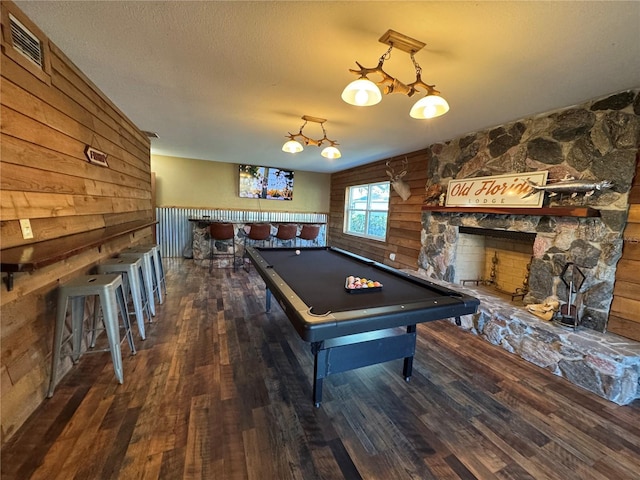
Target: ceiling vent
26, 42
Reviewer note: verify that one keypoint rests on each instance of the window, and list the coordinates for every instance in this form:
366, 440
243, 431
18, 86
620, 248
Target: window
366, 210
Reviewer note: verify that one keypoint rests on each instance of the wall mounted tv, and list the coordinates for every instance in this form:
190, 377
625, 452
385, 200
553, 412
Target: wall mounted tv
265, 182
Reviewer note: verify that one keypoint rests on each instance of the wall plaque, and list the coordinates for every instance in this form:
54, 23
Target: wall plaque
96, 156
499, 190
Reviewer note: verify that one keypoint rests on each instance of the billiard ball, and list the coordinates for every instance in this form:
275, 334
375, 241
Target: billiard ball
297, 252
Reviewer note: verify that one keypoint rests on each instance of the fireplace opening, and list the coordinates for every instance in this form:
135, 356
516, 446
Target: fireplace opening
497, 261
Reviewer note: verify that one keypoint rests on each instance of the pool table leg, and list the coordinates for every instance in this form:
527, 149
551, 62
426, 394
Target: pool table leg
316, 348
268, 299
408, 361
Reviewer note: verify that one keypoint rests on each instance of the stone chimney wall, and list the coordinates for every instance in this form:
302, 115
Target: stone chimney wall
595, 141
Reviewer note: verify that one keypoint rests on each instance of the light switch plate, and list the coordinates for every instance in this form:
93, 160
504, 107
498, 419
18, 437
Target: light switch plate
25, 226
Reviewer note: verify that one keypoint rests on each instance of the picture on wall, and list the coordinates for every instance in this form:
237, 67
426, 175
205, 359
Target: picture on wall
265, 182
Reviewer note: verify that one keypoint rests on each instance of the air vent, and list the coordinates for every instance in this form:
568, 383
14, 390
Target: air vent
26, 42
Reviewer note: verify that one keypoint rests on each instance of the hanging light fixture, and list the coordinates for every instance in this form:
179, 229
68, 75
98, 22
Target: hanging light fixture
295, 146
363, 92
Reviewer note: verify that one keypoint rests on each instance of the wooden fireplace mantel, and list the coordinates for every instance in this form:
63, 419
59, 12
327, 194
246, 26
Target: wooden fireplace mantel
550, 211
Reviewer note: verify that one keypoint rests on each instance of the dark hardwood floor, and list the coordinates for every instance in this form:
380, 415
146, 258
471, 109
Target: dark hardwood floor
221, 390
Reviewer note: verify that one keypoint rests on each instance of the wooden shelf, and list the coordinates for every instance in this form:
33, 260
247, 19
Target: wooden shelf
550, 211
31, 256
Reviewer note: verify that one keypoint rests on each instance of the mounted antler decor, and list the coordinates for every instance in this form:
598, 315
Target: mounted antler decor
293, 146
401, 187
363, 92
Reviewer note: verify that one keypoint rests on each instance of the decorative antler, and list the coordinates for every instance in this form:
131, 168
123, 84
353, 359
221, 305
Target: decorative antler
310, 141
393, 85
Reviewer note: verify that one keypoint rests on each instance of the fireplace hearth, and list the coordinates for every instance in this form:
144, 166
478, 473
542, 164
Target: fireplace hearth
603, 363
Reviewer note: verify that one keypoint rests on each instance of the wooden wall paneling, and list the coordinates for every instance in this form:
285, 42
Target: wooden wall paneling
634, 214
54, 109
117, 218
20, 152
48, 228
627, 270
624, 317
632, 232
626, 308
17, 177
623, 327
130, 136
47, 179
18, 204
66, 136
404, 228
56, 104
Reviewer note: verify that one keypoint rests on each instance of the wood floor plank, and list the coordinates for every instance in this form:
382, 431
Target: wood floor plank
222, 390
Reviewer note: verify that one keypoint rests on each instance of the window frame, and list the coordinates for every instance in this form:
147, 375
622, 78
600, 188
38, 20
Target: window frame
368, 210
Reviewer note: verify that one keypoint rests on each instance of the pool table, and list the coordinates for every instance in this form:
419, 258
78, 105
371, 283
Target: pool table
347, 328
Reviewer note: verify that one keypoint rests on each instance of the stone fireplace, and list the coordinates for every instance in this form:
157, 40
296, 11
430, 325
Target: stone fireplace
594, 141
592, 243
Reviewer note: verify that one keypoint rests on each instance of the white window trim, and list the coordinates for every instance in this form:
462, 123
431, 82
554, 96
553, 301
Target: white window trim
347, 210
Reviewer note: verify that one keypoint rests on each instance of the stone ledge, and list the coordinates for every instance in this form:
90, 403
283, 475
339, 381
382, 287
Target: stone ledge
603, 363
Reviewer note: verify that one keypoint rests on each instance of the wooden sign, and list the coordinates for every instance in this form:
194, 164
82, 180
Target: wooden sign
509, 190
96, 156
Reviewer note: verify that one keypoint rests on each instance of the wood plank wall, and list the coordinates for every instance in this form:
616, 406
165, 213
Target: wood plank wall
624, 317
404, 227
47, 120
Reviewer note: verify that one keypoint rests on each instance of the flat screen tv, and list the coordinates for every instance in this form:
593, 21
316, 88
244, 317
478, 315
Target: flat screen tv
265, 182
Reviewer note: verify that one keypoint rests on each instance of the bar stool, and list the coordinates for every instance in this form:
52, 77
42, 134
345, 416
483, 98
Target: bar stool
108, 288
286, 232
222, 233
156, 267
258, 232
309, 232
132, 277
148, 273
157, 261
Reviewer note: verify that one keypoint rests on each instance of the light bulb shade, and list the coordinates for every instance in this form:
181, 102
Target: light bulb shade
430, 106
331, 152
292, 146
362, 93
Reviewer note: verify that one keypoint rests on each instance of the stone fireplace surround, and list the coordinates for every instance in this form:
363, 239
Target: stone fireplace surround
596, 141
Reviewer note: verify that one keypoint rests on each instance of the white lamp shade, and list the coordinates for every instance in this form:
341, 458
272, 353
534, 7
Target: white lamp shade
362, 93
331, 152
292, 146
430, 106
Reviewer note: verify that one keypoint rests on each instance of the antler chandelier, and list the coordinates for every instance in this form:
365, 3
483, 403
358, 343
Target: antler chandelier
294, 146
363, 92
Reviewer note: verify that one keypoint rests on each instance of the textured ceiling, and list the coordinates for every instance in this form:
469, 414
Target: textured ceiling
226, 81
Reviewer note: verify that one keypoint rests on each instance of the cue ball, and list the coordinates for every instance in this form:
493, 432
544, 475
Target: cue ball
297, 252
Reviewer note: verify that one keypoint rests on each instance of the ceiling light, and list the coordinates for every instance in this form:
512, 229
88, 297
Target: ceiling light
295, 146
363, 92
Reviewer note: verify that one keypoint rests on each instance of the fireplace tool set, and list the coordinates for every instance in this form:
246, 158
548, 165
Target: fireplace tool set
573, 278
